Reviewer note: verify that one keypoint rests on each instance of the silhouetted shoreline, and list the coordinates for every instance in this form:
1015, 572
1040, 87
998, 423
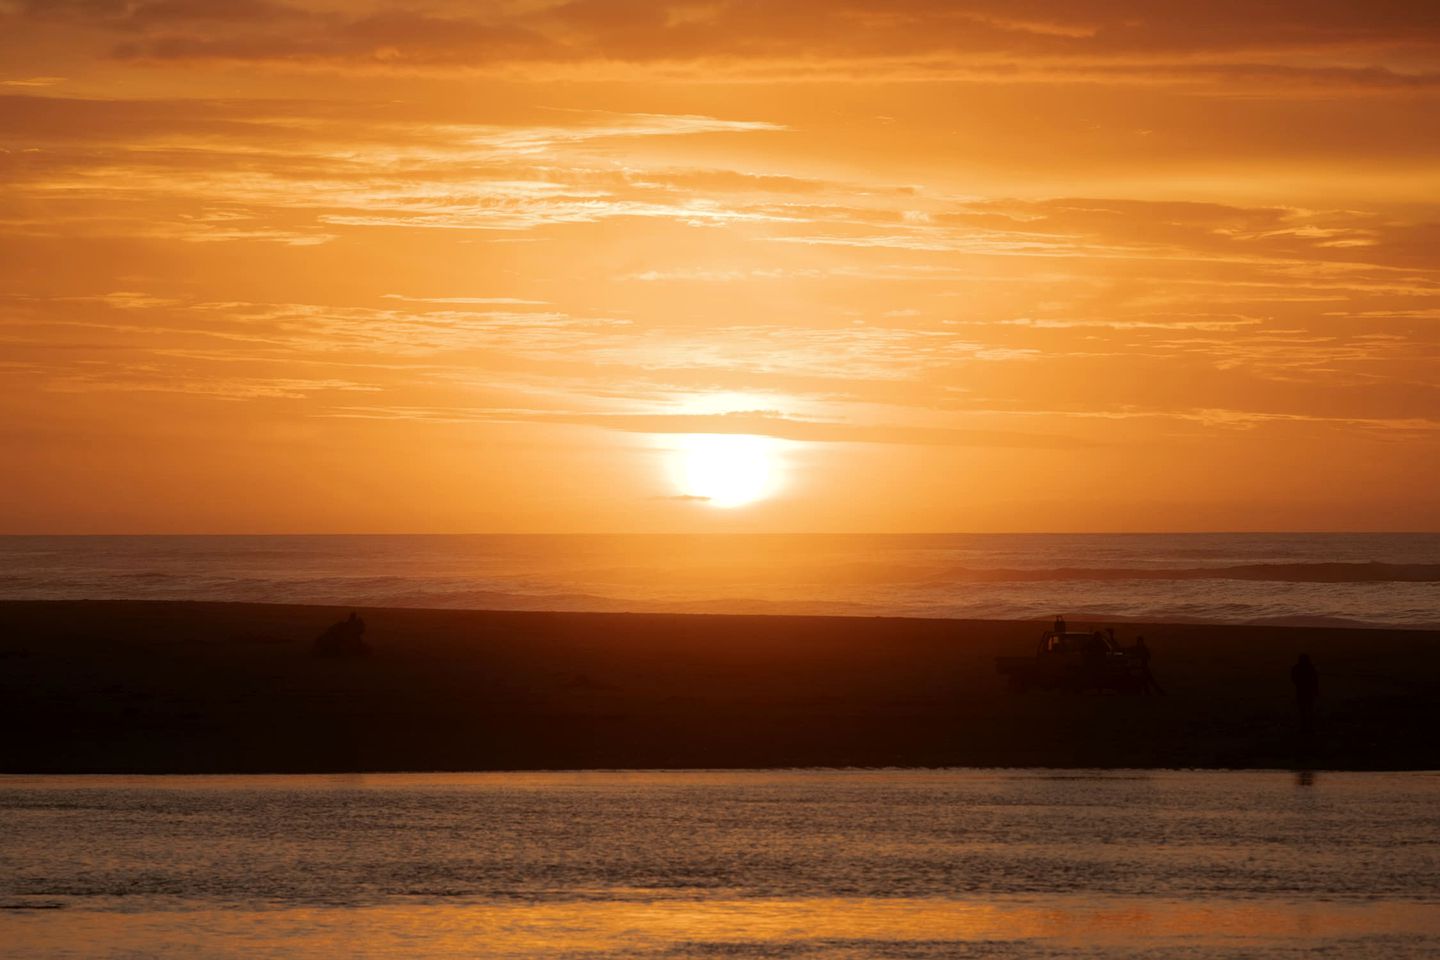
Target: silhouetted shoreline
154, 687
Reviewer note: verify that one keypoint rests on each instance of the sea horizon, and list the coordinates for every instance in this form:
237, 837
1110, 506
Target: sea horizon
1296, 579
748, 533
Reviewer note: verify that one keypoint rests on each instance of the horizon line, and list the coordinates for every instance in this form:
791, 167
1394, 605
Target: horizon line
751, 533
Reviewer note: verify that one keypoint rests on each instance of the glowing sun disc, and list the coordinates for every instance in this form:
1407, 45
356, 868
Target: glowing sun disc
727, 470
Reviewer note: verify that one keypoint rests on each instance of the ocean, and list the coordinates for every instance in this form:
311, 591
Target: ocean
834, 864
1282, 579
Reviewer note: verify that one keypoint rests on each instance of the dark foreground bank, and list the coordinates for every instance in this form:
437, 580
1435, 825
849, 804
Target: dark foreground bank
210, 688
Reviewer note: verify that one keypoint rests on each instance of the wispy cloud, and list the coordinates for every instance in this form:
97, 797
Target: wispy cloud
980, 232
1289, 43
491, 301
747, 422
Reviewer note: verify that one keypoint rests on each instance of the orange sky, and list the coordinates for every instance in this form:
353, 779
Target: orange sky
352, 265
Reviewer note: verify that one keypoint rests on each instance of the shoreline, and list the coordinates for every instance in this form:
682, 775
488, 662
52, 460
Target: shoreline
1117, 773
163, 687
757, 608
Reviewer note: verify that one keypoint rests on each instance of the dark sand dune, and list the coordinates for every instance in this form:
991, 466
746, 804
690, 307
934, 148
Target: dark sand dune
196, 687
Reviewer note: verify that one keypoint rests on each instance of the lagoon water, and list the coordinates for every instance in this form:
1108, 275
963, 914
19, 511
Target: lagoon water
1299, 579
851, 864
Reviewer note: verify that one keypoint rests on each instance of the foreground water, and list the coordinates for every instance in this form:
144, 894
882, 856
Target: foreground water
1297, 579
710, 864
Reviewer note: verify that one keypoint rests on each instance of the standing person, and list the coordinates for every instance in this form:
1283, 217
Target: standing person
1147, 679
1307, 690
1060, 624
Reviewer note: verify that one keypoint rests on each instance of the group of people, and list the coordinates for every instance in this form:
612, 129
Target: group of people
1099, 644
1303, 675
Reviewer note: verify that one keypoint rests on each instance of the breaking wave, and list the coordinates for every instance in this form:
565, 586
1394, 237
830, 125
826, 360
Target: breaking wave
1372, 572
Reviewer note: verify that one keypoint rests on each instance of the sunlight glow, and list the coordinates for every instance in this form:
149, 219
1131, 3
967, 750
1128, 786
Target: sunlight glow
727, 470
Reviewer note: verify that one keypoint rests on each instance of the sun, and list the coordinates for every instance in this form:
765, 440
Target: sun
726, 470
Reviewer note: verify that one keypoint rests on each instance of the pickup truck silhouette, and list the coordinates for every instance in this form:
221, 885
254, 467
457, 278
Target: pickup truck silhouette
1075, 661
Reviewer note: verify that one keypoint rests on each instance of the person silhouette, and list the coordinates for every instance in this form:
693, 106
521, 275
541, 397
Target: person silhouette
344, 638
1060, 624
1093, 656
1307, 690
1147, 679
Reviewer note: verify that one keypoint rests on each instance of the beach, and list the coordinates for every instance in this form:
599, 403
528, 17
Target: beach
162, 687
752, 864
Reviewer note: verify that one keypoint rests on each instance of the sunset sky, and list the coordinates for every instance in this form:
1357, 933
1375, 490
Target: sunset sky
343, 265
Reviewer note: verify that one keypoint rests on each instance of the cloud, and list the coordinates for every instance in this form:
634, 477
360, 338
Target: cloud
1113, 228
491, 301
1227, 44
1210, 322
129, 378
878, 272
284, 173
749, 423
